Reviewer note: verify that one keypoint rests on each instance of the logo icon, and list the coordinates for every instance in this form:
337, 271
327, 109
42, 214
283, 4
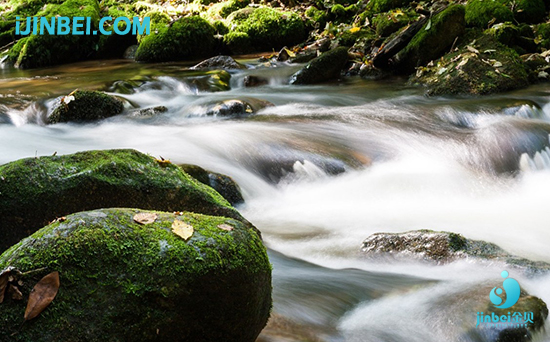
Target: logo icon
511, 288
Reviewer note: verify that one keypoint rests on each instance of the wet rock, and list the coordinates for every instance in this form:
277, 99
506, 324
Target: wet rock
254, 81
125, 281
480, 66
321, 45
213, 81
185, 39
223, 184
85, 105
236, 107
283, 55
35, 191
323, 68
442, 248
128, 86
149, 112
303, 56
434, 39
220, 63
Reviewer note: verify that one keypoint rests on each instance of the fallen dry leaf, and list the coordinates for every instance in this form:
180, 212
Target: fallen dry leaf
182, 229
225, 227
5, 276
14, 292
42, 295
145, 218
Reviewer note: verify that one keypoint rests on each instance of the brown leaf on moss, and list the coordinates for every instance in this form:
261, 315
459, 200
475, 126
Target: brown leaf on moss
42, 295
224, 226
145, 218
182, 229
5, 278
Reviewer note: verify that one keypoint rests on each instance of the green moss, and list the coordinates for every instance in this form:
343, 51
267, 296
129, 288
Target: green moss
35, 191
224, 9
506, 33
457, 242
123, 281
86, 106
338, 10
188, 38
349, 38
390, 22
220, 27
434, 38
482, 13
542, 35
379, 6
266, 29
319, 17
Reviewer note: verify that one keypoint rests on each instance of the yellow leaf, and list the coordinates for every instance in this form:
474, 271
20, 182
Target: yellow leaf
224, 226
145, 218
290, 53
182, 229
354, 29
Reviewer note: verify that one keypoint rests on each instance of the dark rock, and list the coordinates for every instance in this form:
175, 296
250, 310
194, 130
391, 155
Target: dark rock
220, 63
149, 112
84, 105
442, 248
130, 52
434, 40
35, 191
213, 81
323, 68
254, 81
126, 281
128, 86
303, 56
283, 55
223, 184
321, 45
236, 107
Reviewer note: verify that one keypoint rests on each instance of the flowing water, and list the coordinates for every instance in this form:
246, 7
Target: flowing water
324, 168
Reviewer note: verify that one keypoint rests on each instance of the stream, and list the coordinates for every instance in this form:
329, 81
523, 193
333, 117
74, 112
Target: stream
321, 170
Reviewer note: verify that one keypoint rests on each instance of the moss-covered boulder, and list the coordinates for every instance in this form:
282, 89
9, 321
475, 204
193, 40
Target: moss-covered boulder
506, 33
35, 191
44, 50
529, 11
185, 39
264, 29
318, 17
223, 184
482, 13
542, 35
434, 39
85, 105
125, 281
326, 67
481, 66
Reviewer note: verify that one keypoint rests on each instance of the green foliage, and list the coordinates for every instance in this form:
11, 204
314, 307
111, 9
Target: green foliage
338, 11
481, 13
542, 35
220, 27
266, 29
188, 38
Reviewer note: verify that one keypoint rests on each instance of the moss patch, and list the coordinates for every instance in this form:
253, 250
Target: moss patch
35, 191
122, 281
481, 13
186, 39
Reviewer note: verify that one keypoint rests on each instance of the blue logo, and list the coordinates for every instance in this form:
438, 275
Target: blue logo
512, 290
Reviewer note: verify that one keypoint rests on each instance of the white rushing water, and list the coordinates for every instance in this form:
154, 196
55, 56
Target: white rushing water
419, 165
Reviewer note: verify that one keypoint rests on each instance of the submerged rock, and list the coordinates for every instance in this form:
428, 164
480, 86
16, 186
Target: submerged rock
85, 105
125, 281
213, 80
442, 248
35, 191
148, 112
323, 68
237, 107
254, 81
223, 184
219, 62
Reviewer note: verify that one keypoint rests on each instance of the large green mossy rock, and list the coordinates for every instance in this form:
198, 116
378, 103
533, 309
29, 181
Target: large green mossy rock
35, 191
44, 50
264, 29
379, 6
85, 105
434, 38
185, 39
124, 281
482, 13
481, 66
323, 68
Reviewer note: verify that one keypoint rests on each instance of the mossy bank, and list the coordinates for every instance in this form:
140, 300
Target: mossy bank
126, 281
